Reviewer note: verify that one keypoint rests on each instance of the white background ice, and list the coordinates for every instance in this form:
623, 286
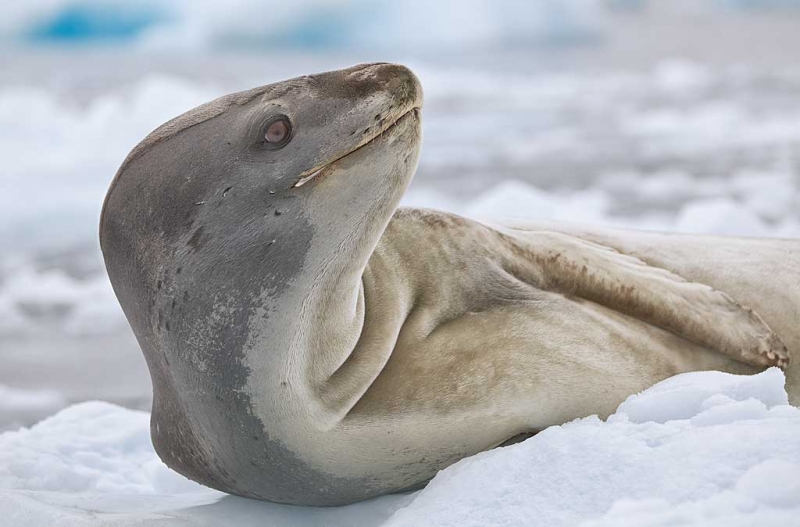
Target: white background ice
702, 448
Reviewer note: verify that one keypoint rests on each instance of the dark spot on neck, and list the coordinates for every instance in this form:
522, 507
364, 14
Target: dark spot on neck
197, 240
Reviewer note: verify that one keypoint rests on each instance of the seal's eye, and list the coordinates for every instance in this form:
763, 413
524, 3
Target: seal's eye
278, 132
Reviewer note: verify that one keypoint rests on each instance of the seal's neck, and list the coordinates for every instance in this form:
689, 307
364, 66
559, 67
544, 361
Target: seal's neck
334, 310
322, 319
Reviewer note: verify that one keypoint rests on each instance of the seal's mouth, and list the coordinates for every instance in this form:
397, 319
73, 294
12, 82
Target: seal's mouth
319, 170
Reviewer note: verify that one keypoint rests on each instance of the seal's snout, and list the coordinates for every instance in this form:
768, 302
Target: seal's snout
396, 80
356, 106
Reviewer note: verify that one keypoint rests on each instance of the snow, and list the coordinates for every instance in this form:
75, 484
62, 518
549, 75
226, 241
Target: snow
696, 449
90, 447
80, 307
84, 148
720, 216
17, 402
701, 448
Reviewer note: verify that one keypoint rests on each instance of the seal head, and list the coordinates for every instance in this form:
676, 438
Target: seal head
214, 231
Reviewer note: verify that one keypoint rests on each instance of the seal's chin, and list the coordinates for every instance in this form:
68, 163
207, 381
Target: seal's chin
321, 170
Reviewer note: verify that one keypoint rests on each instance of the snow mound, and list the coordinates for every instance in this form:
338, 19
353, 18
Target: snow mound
703, 448
89, 447
698, 449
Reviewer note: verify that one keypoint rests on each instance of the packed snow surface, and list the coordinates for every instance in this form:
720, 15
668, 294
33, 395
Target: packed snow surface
703, 448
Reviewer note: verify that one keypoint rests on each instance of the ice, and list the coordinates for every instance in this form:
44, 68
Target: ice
514, 199
720, 216
16, 403
41, 299
702, 448
91, 447
683, 397
85, 145
11, 319
318, 24
203, 24
698, 449
771, 196
682, 77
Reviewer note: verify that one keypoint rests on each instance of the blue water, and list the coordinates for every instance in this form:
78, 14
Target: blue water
305, 23
321, 24
88, 22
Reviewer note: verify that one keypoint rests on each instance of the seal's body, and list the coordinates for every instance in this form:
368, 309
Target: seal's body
310, 343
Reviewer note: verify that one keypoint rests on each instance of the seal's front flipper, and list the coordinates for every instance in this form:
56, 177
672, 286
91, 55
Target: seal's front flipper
697, 312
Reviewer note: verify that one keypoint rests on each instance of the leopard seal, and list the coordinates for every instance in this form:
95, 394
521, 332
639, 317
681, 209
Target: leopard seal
311, 343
